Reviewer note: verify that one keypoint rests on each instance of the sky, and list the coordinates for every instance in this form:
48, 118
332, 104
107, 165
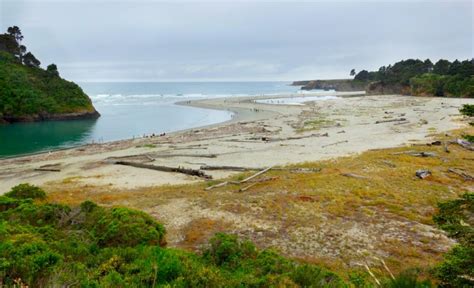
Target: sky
151, 40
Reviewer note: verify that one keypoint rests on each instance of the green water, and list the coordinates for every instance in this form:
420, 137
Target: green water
21, 138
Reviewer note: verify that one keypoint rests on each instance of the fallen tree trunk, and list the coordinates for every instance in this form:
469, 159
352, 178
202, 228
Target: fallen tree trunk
48, 169
461, 173
335, 143
354, 176
391, 120
191, 172
238, 168
256, 175
463, 143
185, 155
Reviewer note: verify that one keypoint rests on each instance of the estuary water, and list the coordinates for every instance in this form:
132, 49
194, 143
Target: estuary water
130, 110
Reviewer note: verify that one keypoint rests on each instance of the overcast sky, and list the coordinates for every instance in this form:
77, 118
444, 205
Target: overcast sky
95, 40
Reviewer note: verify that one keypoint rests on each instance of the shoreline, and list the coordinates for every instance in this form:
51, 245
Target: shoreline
235, 117
256, 134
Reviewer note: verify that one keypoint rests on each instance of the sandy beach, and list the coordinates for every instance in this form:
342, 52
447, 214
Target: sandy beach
259, 135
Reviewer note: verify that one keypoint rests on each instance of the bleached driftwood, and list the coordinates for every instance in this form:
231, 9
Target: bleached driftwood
239, 168
239, 182
335, 143
256, 174
466, 176
354, 176
391, 120
191, 172
464, 143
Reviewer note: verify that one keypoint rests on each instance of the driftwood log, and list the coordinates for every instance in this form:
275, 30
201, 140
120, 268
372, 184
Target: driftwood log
391, 120
239, 168
186, 171
239, 182
466, 176
335, 143
463, 143
354, 176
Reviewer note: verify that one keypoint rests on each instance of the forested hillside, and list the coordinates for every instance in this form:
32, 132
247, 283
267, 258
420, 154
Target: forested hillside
30, 93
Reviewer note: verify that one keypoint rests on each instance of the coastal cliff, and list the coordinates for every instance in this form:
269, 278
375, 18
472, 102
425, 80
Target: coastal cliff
407, 77
29, 93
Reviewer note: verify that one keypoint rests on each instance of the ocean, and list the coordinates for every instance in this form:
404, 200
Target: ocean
132, 109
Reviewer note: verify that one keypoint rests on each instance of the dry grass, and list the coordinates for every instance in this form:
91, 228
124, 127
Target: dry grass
321, 217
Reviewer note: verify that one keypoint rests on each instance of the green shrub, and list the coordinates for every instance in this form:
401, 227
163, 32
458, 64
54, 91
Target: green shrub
228, 250
467, 110
126, 227
26, 191
456, 218
407, 279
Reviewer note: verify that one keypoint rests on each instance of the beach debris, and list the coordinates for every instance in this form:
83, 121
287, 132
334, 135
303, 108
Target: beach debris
402, 123
184, 155
466, 176
268, 139
416, 153
464, 143
247, 187
422, 173
335, 143
140, 158
354, 176
391, 120
50, 167
186, 171
239, 182
238, 168
256, 174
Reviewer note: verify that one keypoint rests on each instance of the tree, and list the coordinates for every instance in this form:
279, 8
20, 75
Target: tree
362, 75
353, 72
441, 67
15, 32
52, 69
30, 60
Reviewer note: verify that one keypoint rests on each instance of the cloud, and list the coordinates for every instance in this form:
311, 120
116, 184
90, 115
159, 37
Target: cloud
161, 40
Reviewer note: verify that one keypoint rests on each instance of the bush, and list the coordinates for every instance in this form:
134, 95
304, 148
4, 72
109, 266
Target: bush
455, 217
228, 250
407, 279
26, 191
467, 110
126, 227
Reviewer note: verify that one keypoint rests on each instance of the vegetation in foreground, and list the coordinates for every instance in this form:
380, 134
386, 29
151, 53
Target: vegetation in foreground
28, 92
45, 244
456, 217
422, 78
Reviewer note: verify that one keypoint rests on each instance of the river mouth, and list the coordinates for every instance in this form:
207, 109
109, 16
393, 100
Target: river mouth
132, 110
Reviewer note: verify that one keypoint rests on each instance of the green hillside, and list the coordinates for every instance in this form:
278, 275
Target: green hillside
30, 93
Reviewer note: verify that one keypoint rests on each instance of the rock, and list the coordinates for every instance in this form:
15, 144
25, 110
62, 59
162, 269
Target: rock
423, 173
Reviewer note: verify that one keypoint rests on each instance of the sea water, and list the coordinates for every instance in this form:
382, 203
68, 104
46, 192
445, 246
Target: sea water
131, 110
